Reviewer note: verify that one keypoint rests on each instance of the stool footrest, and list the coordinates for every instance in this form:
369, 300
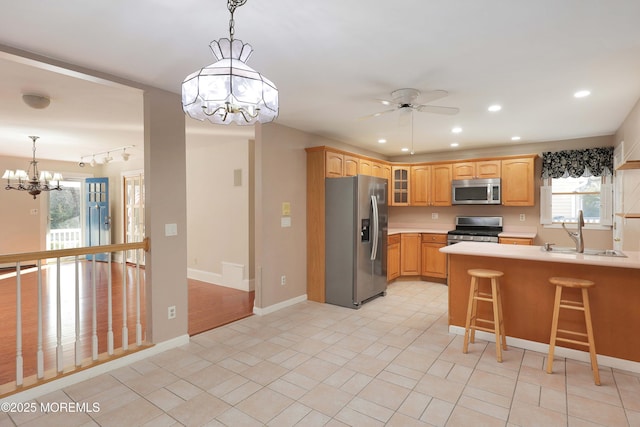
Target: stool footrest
572, 307
573, 341
482, 328
580, 334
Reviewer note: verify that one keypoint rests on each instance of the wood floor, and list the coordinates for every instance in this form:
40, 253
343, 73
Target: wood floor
210, 306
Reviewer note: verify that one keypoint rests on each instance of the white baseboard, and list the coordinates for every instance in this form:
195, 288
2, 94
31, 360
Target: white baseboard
230, 280
103, 368
583, 356
279, 306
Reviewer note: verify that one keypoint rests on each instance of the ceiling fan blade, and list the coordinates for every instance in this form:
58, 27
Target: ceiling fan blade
433, 95
378, 114
385, 101
437, 110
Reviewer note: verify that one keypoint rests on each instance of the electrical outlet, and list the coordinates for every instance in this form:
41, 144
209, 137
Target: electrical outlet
434, 215
522, 217
283, 280
171, 312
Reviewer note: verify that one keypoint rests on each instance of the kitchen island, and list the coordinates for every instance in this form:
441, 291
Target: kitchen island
528, 297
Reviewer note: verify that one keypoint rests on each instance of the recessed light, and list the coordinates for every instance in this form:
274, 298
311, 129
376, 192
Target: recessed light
515, 138
456, 129
454, 144
494, 108
404, 149
382, 141
582, 93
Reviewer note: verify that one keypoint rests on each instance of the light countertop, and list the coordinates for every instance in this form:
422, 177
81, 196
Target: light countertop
424, 230
444, 229
535, 253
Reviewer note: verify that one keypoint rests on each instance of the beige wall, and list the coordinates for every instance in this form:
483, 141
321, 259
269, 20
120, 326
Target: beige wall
165, 201
629, 133
217, 209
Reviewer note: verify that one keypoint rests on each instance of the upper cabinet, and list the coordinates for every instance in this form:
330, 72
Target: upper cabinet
420, 185
400, 185
430, 185
441, 185
334, 164
477, 169
365, 167
518, 181
351, 165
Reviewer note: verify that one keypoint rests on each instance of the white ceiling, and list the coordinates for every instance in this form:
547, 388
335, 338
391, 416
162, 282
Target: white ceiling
331, 60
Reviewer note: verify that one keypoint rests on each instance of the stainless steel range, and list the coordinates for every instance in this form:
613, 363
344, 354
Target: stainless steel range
476, 229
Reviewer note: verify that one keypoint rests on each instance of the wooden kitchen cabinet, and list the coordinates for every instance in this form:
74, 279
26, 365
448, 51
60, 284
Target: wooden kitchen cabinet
393, 257
518, 181
365, 167
351, 165
430, 185
433, 262
334, 164
420, 185
477, 169
400, 185
515, 241
410, 254
441, 184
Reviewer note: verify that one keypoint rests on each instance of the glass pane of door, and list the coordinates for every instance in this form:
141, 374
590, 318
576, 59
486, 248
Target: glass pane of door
134, 213
64, 218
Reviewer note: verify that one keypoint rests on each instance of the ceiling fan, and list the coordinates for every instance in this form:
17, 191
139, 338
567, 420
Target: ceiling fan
405, 100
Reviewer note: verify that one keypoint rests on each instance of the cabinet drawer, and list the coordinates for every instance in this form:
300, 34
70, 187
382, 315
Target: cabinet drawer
393, 239
434, 238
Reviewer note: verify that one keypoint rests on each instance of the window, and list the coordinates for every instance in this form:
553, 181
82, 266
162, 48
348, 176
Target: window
569, 195
577, 180
564, 197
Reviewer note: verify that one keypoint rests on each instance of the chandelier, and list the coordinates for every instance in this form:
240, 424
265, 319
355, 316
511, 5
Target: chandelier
32, 181
229, 90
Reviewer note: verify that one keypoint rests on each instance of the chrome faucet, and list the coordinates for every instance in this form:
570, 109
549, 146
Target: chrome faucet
576, 236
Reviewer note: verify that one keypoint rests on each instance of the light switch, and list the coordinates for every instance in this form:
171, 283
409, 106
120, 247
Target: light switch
286, 208
171, 229
285, 221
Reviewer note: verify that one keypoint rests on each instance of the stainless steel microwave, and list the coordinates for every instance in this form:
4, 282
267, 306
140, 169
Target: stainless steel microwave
475, 191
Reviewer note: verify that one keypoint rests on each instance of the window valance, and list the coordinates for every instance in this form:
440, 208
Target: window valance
576, 163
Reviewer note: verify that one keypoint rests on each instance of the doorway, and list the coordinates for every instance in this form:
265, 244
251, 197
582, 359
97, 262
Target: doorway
65, 216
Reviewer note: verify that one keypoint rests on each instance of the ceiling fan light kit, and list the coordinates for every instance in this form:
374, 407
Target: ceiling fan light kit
229, 91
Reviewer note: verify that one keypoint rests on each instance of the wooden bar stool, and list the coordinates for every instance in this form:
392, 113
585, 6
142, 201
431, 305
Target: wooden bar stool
472, 310
584, 285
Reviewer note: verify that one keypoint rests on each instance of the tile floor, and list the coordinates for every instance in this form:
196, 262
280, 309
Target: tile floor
390, 363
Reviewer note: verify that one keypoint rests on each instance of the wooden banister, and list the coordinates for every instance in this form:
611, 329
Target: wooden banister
61, 253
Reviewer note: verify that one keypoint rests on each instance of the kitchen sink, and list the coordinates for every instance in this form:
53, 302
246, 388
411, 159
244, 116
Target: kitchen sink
599, 252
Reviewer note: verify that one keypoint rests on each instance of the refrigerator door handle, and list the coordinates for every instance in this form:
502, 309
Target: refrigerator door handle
374, 244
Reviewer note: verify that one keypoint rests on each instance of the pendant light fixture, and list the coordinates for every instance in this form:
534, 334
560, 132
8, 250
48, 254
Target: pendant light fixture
229, 91
32, 181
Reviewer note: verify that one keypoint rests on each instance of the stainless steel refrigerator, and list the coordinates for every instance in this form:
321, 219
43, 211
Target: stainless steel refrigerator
356, 239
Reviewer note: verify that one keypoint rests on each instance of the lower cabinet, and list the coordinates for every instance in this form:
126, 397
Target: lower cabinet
434, 262
393, 257
410, 254
416, 254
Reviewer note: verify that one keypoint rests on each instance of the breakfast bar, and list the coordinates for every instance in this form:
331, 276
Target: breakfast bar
528, 297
